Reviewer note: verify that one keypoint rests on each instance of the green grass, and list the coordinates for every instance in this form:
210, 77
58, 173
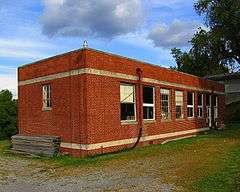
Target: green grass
226, 178
125, 154
4, 146
209, 162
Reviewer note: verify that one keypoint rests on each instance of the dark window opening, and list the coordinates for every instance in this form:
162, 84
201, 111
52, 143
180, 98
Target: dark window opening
127, 111
148, 103
190, 104
208, 100
148, 95
200, 96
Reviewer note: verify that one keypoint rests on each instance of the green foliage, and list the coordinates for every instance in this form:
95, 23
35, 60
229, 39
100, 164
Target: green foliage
223, 18
232, 112
8, 114
218, 49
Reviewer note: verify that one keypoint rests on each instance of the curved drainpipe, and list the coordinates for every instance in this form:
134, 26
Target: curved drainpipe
140, 105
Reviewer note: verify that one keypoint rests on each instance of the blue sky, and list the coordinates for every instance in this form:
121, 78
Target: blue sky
140, 29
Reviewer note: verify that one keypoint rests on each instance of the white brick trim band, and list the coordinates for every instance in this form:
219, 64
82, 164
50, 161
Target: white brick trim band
128, 141
105, 73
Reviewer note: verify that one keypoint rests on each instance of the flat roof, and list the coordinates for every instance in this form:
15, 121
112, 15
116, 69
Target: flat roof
111, 54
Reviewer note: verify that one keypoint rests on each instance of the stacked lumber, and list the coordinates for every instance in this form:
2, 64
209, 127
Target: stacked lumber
40, 145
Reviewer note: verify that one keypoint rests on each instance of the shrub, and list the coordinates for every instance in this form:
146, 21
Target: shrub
8, 114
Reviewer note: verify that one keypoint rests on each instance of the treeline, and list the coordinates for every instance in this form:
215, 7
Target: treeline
8, 114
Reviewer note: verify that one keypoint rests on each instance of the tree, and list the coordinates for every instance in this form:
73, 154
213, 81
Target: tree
223, 18
217, 50
8, 114
203, 58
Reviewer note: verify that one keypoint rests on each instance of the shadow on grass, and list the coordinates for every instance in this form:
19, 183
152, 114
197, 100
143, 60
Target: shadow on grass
232, 131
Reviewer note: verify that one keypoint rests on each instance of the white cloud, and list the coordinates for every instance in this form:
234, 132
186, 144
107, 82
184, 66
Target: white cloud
9, 82
22, 54
104, 19
7, 69
177, 34
23, 43
171, 3
24, 48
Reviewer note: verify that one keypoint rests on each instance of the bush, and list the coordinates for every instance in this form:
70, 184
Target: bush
8, 114
232, 113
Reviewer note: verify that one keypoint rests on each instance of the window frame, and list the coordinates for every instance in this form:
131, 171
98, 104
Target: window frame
134, 98
149, 104
169, 103
46, 97
200, 106
191, 106
182, 106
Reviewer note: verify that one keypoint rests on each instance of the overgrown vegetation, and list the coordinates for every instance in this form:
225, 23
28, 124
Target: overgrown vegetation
215, 49
8, 114
232, 112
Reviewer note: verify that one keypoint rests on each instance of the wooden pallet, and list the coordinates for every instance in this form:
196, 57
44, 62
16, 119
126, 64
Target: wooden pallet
39, 145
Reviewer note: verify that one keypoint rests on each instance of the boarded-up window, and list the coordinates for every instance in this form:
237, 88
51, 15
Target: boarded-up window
127, 100
165, 104
179, 104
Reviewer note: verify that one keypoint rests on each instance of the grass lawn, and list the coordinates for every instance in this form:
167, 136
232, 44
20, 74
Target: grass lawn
210, 162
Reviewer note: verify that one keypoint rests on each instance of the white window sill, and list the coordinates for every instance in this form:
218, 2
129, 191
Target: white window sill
149, 120
47, 109
180, 119
166, 120
133, 122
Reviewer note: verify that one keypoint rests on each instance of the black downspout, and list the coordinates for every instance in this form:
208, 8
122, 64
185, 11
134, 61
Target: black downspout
139, 106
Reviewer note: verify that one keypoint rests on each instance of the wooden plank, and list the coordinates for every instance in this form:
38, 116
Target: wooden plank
45, 145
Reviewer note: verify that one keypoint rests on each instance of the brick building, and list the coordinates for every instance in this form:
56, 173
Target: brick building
98, 102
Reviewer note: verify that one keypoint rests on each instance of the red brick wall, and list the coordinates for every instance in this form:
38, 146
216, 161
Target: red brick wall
67, 118
103, 113
53, 65
86, 108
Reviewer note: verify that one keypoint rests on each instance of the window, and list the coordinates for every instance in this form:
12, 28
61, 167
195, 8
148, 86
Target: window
127, 100
208, 100
165, 104
215, 105
208, 104
148, 103
179, 104
46, 97
200, 105
190, 104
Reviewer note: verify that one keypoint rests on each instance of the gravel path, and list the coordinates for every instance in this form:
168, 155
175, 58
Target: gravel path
26, 175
